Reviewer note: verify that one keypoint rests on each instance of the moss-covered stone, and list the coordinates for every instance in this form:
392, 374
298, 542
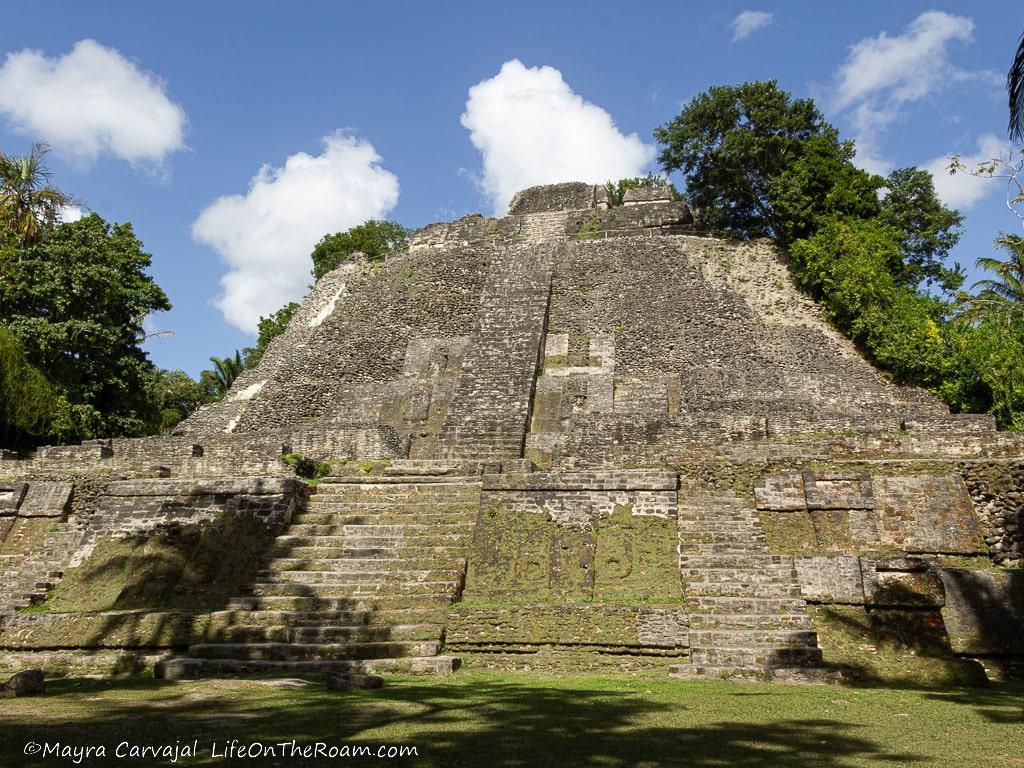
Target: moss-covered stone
191, 568
905, 647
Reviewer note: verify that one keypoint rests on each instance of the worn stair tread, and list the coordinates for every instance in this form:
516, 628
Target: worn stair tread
189, 668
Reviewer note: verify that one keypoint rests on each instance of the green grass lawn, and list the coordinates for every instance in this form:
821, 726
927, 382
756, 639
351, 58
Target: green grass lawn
478, 718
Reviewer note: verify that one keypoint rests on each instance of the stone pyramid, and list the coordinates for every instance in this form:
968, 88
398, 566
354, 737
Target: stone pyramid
583, 436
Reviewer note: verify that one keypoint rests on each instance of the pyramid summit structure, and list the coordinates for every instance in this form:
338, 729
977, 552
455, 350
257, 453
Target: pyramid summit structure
583, 436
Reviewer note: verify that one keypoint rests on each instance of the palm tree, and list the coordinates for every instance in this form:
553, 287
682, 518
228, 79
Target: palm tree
225, 371
1015, 86
28, 202
1004, 293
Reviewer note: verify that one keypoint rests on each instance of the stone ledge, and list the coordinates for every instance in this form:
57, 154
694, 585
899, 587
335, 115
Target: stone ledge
200, 486
608, 480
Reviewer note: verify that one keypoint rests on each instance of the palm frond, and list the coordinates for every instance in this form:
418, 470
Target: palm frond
1015, 89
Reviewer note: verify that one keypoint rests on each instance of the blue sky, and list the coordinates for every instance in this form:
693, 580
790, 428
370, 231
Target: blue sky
357, 110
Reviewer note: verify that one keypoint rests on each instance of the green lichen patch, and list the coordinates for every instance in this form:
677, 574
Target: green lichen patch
26, 535
525, 558
790, 533
194, 569
127, 629
636, 560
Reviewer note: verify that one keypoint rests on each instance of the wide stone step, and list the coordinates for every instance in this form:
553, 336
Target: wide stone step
749, 621
350, 517
749, 516
370, 540
752, 638
721, 535
310, 651
739, 589
272, 589
748, 561
729, 604
371, 603
691, 549
779, 573
755, 656
190, 668
388, 565
408, 576
391, 529
395, 492
346, 551
255, 633
327, 618
756, 674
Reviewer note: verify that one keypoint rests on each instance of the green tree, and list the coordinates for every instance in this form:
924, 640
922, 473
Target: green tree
986, 368
270, 328
759, 163
76, 302
29, 203
850, 266
819, 183
225, 371
177, 396
28, 404
928, 229
374, 238
1004, 293
730, 141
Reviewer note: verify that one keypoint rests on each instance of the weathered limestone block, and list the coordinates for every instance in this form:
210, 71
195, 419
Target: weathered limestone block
830, 579
838, 490
927, 513
11, 496
984, 611
646, 195
569, 196
783, 492
901, 582
44, 499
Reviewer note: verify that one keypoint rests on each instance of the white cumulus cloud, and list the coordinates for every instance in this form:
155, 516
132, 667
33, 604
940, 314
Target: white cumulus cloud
89, 101
961, 190
266, 235
531, 128
882, 74
70, 213
748, 22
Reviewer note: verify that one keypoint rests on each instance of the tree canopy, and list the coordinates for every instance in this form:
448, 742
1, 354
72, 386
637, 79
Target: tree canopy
730, 142
872, 251
76, 301
28, 404
269, 328
374, 238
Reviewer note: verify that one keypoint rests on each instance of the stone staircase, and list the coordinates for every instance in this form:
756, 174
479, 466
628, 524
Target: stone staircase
26, 579
360, 580
490, 405
747, 620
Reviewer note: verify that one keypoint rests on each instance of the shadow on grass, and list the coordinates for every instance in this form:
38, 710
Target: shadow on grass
477, 724
1002, 704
